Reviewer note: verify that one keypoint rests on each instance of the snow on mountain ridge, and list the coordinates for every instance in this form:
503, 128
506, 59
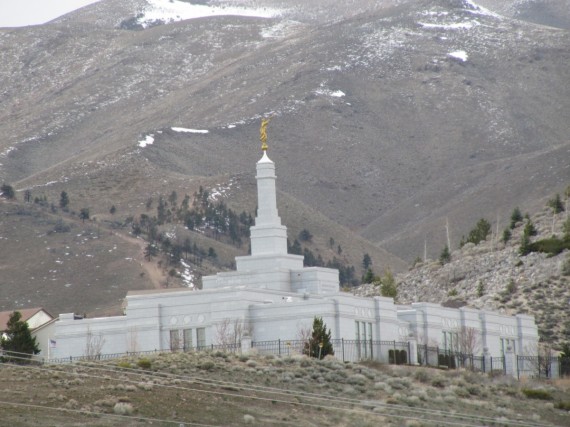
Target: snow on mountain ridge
173, 11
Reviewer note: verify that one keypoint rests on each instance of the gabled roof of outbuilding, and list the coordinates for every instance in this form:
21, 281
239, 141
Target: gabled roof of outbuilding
26, 313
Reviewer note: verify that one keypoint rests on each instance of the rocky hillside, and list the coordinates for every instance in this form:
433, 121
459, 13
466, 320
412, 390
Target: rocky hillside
494, 275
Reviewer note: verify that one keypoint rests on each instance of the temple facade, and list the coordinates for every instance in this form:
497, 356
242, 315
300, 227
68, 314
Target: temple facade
272, 296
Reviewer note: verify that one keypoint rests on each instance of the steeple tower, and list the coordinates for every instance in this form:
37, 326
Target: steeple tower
268, 235
269, 266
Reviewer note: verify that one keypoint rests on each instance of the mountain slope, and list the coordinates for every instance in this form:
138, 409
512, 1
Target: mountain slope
390, 117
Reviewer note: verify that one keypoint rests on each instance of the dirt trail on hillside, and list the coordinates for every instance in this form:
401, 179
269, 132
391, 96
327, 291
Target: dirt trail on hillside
153, 272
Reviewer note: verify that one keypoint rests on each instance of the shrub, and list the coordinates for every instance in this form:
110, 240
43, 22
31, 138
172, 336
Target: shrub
122, 408
506, 235
144, 363
422, 376
207, 366
565, 270
61, 227
536, 394
439, 382
124, 364
565, 406
480, 289
511, 287
552, 246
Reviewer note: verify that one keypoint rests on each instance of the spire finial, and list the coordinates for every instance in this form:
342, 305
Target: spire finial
263, 132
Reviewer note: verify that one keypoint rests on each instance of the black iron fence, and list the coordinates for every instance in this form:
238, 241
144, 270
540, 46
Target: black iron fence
442, 358
542, 367
389, 352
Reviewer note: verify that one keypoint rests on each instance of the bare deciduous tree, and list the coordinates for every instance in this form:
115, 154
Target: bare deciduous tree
93, 345
230, 332
539, 357
468, 341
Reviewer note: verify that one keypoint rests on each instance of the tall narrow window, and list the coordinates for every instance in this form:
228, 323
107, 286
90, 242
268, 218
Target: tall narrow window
201, 337
187, 339
174, 340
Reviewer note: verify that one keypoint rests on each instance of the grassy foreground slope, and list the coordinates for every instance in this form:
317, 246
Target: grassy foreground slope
215, 388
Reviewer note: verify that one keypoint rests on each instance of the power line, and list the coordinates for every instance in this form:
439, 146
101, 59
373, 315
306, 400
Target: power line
103, 414
327, 401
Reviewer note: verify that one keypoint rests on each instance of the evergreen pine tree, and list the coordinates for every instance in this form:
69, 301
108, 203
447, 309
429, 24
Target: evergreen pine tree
529, 228
366, 261
525, 245
556, 204
516, 216
388, 287
319, 345
63, 200
19, 338
84, 214
480, 232
7, 191
369, 276
445, 256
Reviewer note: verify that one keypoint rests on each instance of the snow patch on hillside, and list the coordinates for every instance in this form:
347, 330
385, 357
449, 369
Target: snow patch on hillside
190, 130
169, 11
280, 30
222, 190
479, 10
187, 275
148, 140
459, 54
323, 90
451, 26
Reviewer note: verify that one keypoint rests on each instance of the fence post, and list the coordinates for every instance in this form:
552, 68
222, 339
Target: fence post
279, 344
342, 344
412, 351
437, 355
487, 360
509, 363
554, 368
246, 344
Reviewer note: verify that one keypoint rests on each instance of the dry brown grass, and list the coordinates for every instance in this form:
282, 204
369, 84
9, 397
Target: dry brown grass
272, 391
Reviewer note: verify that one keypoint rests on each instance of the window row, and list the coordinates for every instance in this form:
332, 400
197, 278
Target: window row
183, 339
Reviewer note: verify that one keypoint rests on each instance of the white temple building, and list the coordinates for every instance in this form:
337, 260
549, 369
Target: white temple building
271, 296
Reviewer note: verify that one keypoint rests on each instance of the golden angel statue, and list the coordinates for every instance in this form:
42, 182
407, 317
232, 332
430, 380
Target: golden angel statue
263, 133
